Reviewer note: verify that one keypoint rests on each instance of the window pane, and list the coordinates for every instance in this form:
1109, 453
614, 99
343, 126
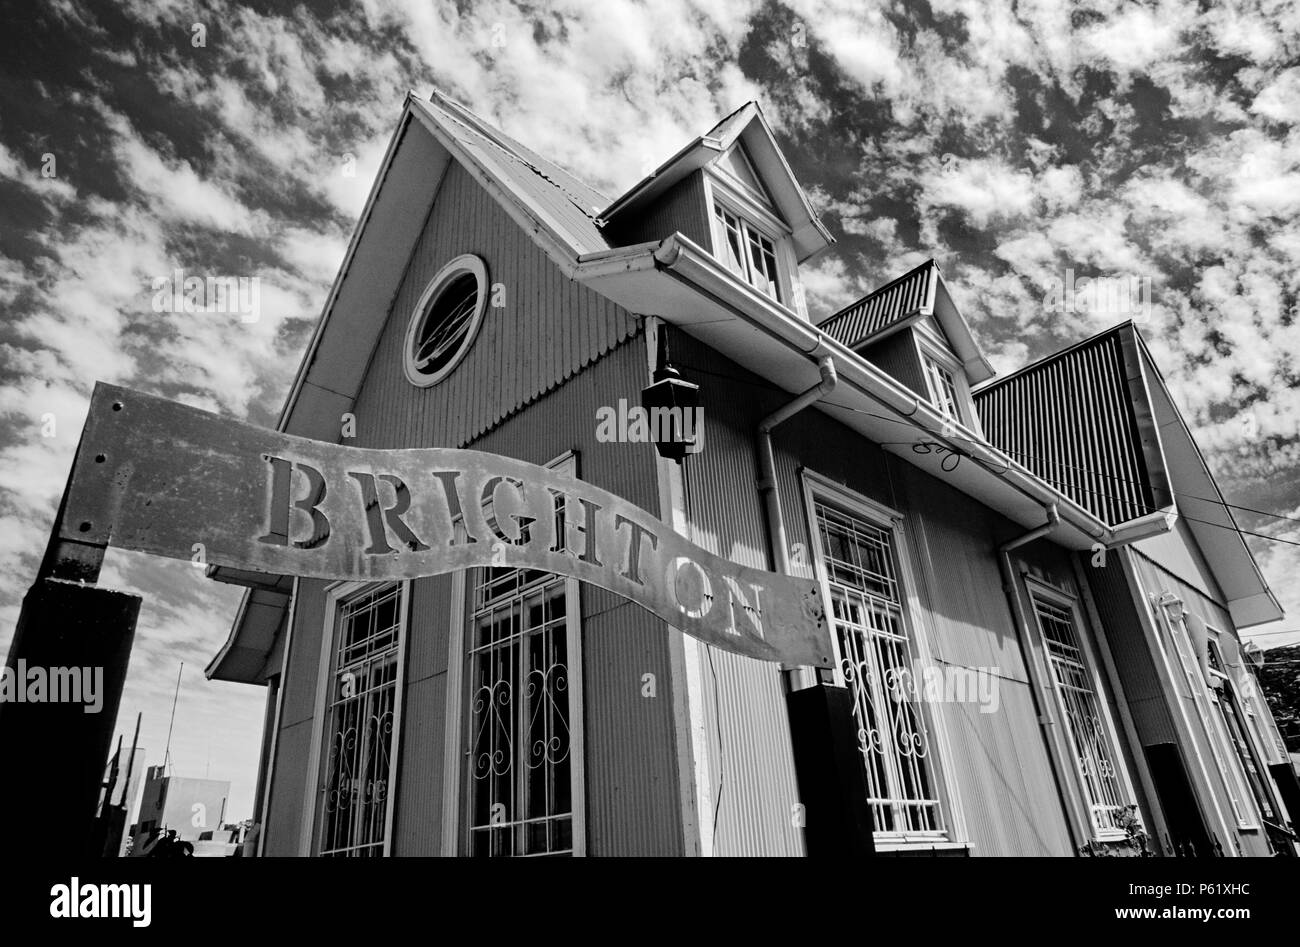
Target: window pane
1095, 750
877, 665
943, 389
359, 729
520, 766
733, 253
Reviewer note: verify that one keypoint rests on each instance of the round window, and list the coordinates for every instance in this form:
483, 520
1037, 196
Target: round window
446, 320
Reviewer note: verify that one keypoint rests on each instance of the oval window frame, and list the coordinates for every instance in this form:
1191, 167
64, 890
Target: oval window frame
465, 263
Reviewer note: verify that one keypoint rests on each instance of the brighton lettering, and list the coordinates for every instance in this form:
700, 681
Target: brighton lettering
276, 504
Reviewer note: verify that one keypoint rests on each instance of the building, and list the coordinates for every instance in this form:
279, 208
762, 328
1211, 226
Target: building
195, 809
1004, 683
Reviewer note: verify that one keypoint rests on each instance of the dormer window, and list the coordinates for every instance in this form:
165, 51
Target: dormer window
747, 251
945, 382
943, 388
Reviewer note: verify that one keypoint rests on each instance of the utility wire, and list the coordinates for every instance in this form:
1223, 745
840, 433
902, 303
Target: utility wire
1060, 484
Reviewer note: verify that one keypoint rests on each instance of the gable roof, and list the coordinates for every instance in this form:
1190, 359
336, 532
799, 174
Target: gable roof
1139, 460
917, 293
749, 126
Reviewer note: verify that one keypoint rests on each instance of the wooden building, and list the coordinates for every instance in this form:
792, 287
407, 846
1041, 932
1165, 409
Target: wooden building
1036, 654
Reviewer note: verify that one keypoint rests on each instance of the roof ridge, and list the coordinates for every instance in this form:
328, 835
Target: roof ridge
1052, 356
489, 134
846, 309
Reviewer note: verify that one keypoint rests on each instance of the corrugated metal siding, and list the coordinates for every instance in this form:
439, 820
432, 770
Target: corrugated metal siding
857, 322
896, 356
1001, 767
288, 789
1070, 420
998, 761
548, 329
746, 724
633, 801
631, 758
417, 815
682, 209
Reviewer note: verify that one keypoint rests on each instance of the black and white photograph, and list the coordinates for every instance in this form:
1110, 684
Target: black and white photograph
848, 437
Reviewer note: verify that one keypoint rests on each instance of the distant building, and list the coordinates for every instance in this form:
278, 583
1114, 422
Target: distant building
194, 808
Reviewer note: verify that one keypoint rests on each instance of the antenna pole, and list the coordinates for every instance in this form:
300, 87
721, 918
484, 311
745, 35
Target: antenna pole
167, 751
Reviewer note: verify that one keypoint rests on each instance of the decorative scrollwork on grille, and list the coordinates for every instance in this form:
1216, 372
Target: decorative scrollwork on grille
542, 688
493, 752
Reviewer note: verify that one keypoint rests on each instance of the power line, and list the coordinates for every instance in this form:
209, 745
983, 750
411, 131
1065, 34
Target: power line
1057, 483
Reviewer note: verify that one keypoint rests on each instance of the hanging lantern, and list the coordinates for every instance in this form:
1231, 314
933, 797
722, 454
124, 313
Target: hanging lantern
672, 407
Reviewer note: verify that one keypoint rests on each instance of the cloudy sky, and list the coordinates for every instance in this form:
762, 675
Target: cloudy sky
1013, 142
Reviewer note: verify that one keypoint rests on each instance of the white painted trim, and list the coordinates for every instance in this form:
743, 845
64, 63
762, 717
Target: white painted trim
1204, 787
683, 654
1037, 589
1159, 827
279, 714
928, 348
453, 270
817, 486
335, 594
717, 191
453, 745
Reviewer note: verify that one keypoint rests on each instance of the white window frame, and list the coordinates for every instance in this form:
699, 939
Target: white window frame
455, 742
720, 191
1038, 590
929, 351
465, 264
335, 595
1213, 635
1240, 799
817, 487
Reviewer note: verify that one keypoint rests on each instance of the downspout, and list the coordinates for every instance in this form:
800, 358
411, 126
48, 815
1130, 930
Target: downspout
1022, 638
767, 463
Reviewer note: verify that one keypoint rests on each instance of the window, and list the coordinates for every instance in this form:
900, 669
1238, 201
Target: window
1223, 694
354, 802
513, 779
445, 320
1215, 731
943, 388
747, 251
521, 709
1091, 737
876, 660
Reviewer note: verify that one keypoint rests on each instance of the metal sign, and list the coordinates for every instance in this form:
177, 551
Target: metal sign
165, 478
